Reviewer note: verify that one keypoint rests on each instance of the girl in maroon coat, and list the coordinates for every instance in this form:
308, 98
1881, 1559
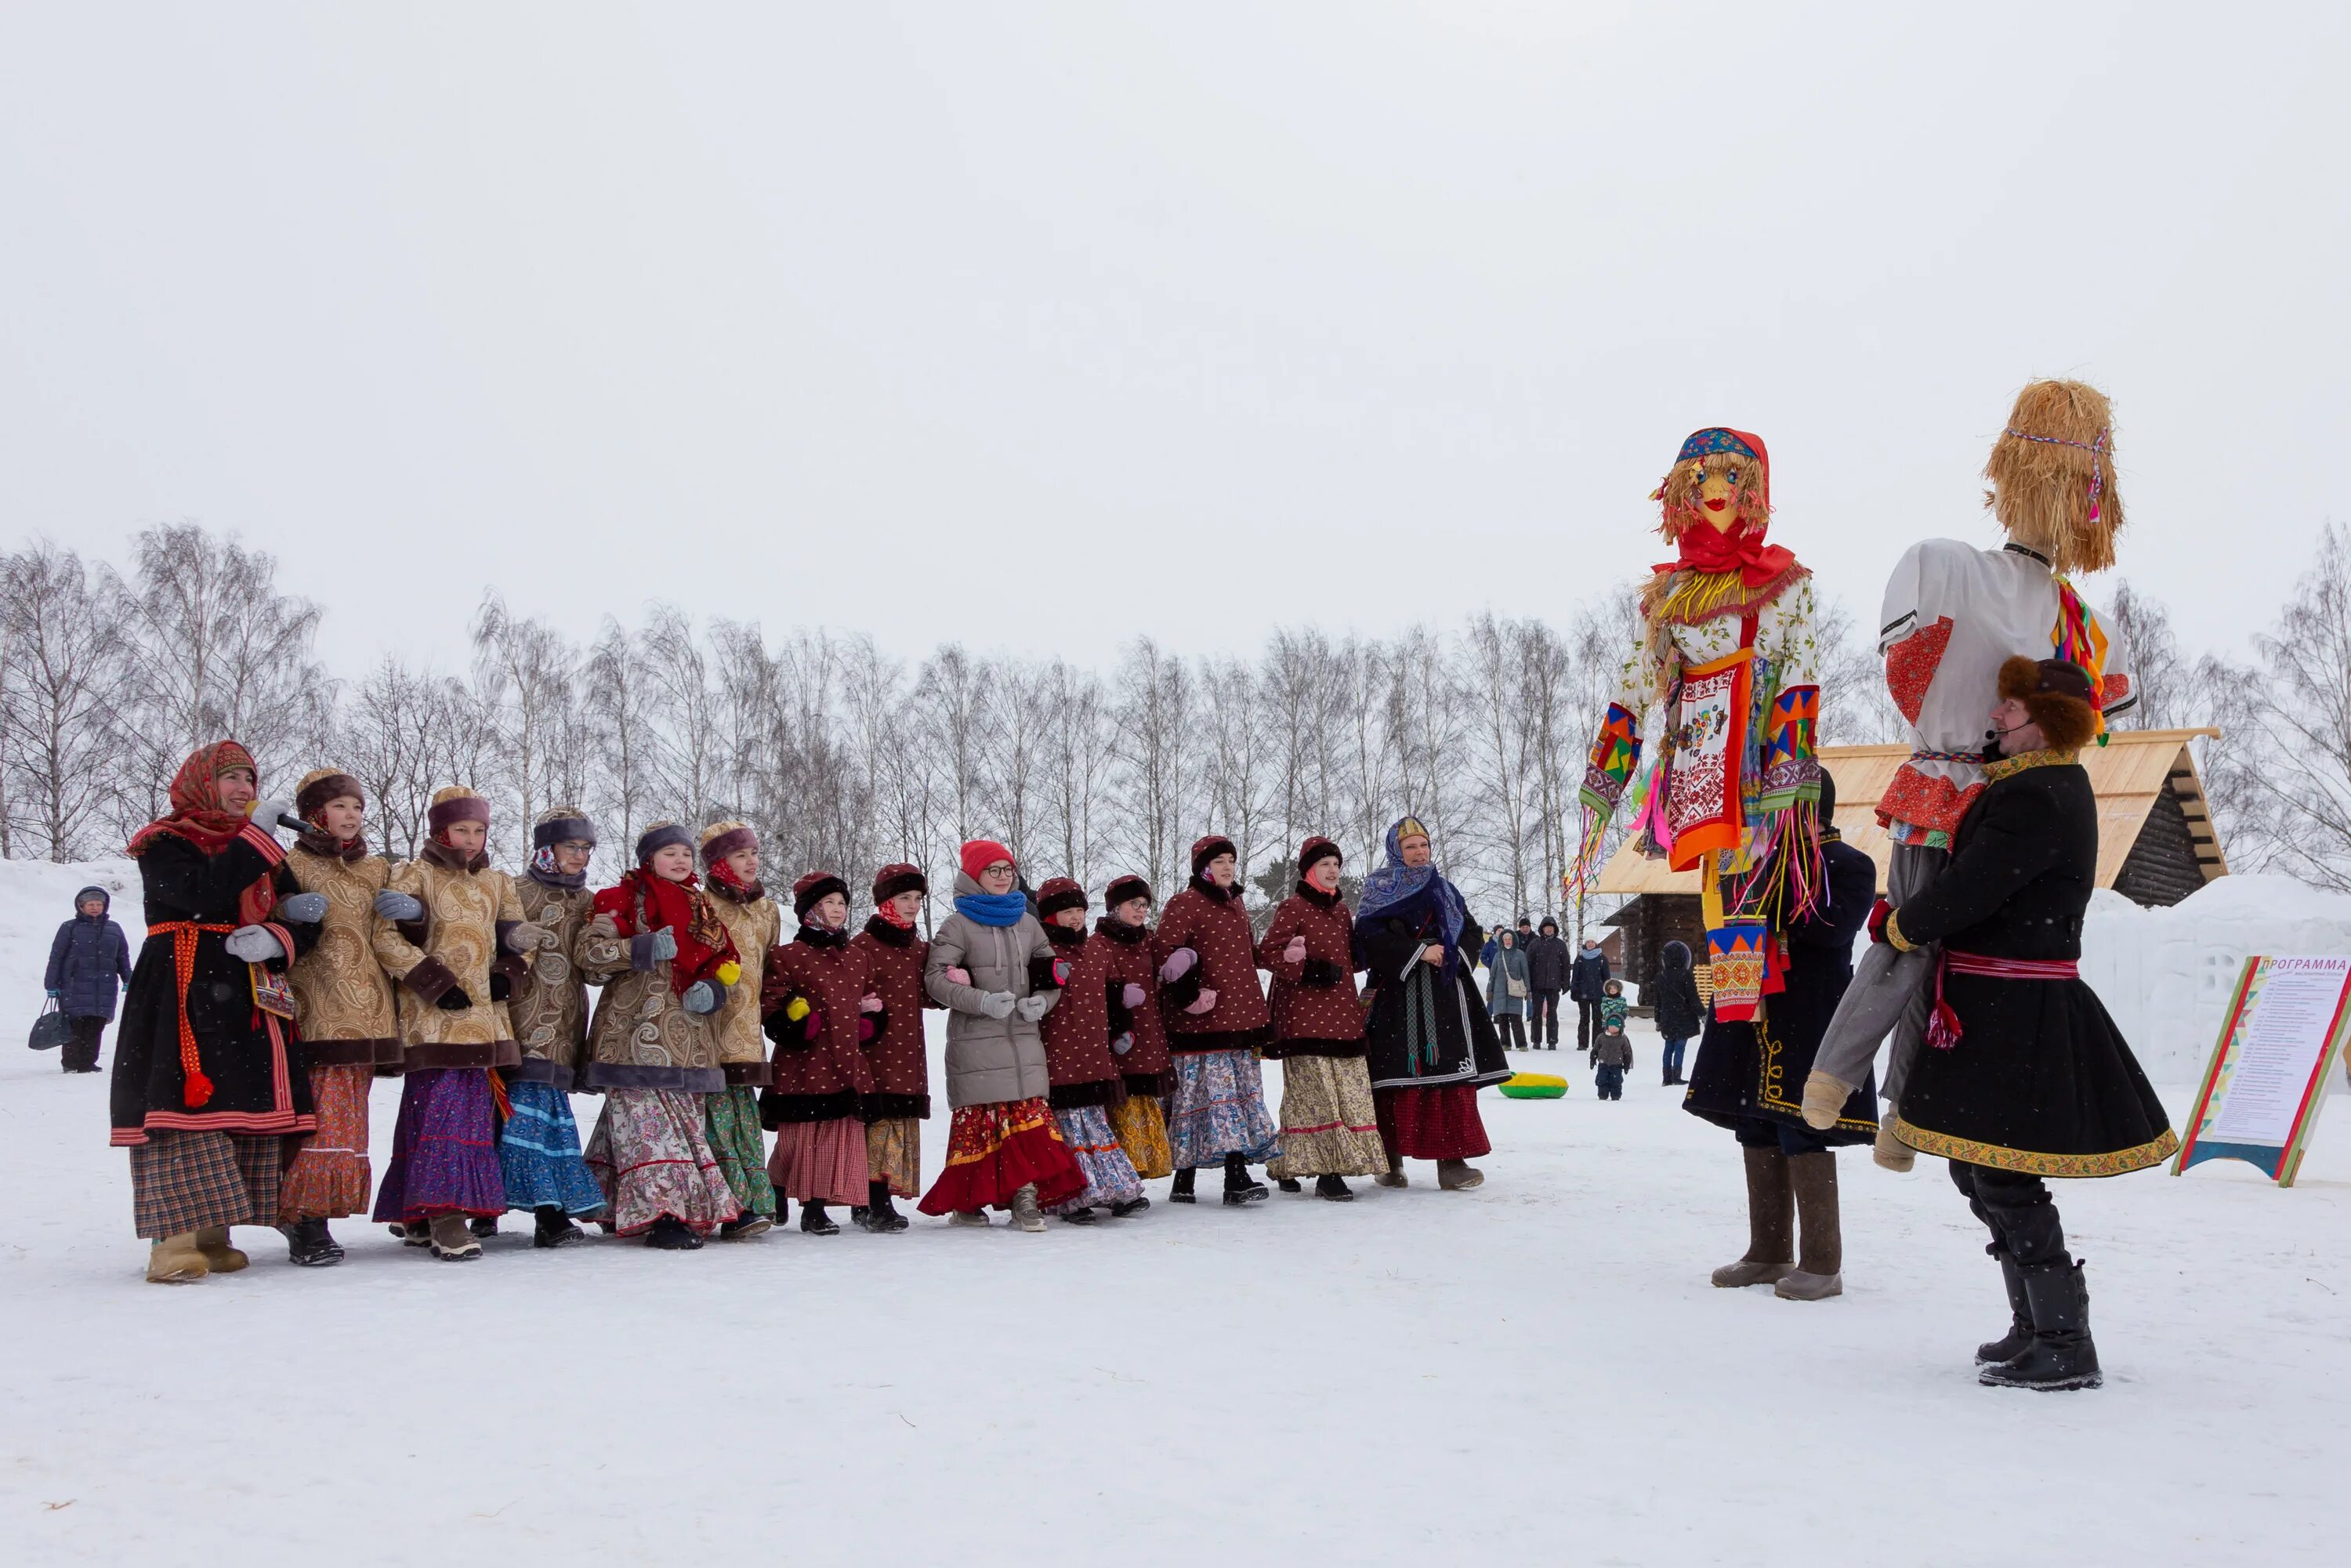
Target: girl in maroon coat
899, 1101
1086, 1077
820, 1008
1217, 1020
1138, 1036
1330, 1129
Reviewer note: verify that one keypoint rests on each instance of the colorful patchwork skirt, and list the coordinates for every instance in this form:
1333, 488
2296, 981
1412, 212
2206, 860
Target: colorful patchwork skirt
1329, 1126
538, 1152
1218, 1109
191, 1181
733, 1123
994, 1151
649, 1156
1142, 1129
820, 1162
330, 1176
444, 1150
1435, 1124
894, 1153
1110, 1175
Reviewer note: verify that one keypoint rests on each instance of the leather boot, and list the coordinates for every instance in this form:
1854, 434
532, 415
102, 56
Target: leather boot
309, 1244
1335, 1188
814, 1221
2009, 1345
2061, 1354
1181, 1190
1239, 1186
220, 1258
1771, 1223
1820, 1232
176, 1260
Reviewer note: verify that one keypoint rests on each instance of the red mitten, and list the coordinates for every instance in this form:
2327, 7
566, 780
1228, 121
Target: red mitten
813, 1028
958, 976
1296, 952
864, 1028
1207, 1004
1879, 914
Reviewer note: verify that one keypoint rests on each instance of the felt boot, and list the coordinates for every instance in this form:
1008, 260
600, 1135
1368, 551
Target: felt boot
1820, 1258
2061, 1355
550, 1227
1025, 1212
2009, 1345
308, 1244
452, 1240
176, 1260
220, 1258
1771, 1223
1459, 1175
1394, 1175
1334, 1187
1181, 1190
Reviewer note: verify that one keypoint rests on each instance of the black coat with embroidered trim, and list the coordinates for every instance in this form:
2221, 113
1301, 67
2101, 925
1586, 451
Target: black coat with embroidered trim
1756, 1071
2041, 1080
1466, 1050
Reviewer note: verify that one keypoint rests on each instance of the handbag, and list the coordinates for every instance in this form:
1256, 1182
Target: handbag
51, 1029
1518, 988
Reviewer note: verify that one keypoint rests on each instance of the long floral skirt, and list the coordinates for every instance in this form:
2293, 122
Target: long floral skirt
445, 1149
1329, 1126
1218, 1109
894, 1153
538, 1152
733, 1124
1142, 1129
649, 1156
329, 1177
1435, 1123
820, 1162
1110, 1175
994, 1151
193, 1181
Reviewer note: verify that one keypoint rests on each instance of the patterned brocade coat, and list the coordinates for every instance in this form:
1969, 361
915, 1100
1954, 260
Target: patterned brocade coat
549, 1005
755, 922
343, 1009
459, 942
642, 1035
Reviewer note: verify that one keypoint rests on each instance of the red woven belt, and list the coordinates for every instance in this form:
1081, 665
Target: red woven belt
1943, 1024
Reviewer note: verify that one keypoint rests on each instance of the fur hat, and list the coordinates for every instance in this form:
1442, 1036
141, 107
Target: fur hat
457, 803
1317, 848
723, 839
2056, 694
1122, 888
659, 837
1059, 893
978, 854
560, 824
811, 889
1208, 849
321, 785
899, 877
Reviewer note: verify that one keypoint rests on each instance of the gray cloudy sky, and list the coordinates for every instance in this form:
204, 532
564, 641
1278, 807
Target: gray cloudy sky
1038, 326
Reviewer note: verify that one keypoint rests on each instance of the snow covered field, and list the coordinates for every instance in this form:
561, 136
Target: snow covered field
1537, 1371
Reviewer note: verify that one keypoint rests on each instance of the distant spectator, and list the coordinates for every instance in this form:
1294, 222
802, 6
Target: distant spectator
1612, 1004
1612, 1053
1547, 967
1681, 1017
88, 958
1505, 991
1584, 980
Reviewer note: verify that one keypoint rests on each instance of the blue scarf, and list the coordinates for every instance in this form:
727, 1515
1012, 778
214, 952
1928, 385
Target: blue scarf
992, 908
1397, 891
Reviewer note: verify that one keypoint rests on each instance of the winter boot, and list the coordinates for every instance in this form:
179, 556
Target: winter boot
308, 1244
1181, 1191
977, 1219
411, 1232
2009, 1345
2060, 1355
550, 1227
1820, 1231
1288, 1184
671, 1234
745, 1226
220, 1258
1240, 1188
1771, 1223
1334, 1187
814, 1220
484, 1225
1394, 1175
879, 1214
452, 1240
1079, 1217
1459, 1175
1025, 1212
1889, 1151
176, 1260
1127, 1210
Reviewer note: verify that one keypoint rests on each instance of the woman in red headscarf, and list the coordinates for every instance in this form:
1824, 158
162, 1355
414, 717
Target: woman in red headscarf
210, 1085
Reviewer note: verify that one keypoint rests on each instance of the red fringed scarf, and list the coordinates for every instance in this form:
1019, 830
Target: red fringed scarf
1739, 548
681, 908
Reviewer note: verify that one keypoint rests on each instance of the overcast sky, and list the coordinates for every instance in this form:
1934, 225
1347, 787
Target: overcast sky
1040, 326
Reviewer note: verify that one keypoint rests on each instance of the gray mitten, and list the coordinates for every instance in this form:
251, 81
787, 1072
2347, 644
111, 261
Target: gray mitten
1033, 1008
524, 937
997, 1004
1122, 1045
702, 996
303, 908
398, 906
651, 948
253, 944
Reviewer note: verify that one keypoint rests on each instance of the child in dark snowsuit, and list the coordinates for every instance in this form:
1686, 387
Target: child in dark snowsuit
1612, 1053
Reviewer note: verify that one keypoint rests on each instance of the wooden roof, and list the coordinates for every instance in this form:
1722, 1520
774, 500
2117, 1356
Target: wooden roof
2127, 775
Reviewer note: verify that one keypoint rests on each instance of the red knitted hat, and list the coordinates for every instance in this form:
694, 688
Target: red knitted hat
1057, 894
896, 878
810, 889
981, 854
1316, 848
1208, 849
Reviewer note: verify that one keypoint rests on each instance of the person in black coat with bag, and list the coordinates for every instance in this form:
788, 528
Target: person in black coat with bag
1585, 978
1547, 967
2024, 1076
88, 959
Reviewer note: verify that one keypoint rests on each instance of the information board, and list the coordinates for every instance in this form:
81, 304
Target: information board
2267, 1080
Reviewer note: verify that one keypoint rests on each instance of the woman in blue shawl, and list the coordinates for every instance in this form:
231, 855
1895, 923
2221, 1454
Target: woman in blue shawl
1430, 1043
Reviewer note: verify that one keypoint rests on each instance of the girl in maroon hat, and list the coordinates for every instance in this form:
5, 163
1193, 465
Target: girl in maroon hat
820, 1009
1330, 1129
1216, 1018
900, 1101
1085, 1074
1138, 1035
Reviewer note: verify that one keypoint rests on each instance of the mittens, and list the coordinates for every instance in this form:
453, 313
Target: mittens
1824, 1098
1179, 964
397, 906
651, 948
1133, 996
1879, 912
1206, 1003
1122, 1045
253, 944
997, 1004
454, 1000
1320, 972
524, 937
702, 996
869, 1003
303, 908
264, 814
956, 974
1033, 1008
1296, 952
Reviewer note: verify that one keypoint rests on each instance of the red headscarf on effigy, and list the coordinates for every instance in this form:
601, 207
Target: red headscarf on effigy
1741, 547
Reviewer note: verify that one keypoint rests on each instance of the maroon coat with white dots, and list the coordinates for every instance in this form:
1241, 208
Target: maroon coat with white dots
1077, 1031
1324, 1017
901, 1067
1212, 923
1145, 1063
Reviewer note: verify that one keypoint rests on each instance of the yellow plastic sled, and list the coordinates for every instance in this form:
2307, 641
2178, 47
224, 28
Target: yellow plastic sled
1534, 1086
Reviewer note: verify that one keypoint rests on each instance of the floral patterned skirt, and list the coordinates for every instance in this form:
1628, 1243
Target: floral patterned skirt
740, 1147
1329, 1126
330, 1176
822, 1162
649, 1156
994, 1151
538, 1152
1218, 1109
445, 1149
1110, 1175
1142, 1129
894, 1153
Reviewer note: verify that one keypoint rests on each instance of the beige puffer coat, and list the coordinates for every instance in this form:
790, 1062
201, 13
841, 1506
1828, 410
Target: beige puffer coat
990, 1060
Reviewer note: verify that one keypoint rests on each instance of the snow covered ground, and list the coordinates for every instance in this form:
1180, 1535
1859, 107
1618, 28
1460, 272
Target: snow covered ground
1536, 1371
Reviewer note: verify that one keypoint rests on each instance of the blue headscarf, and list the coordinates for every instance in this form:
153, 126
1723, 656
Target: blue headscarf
1400, 892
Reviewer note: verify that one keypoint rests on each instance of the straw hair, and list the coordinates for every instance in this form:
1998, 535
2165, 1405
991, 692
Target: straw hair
1679, 510
2040, 491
